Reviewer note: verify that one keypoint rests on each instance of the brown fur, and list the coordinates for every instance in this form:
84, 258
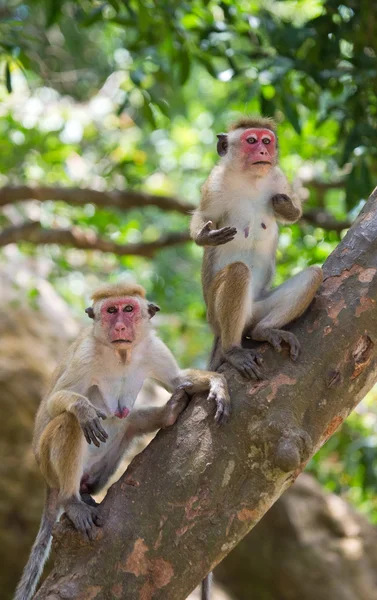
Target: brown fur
226, 309
111, 290
59, 452
253, 123
81, 398
228, 293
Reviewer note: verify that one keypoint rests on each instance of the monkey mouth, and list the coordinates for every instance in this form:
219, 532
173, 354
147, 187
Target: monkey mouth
262, 162
121, 342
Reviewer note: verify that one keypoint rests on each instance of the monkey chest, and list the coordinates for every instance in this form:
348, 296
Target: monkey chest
117, 393
255, 240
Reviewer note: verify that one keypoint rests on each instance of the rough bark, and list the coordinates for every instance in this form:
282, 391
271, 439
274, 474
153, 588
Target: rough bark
196, 491
309, 545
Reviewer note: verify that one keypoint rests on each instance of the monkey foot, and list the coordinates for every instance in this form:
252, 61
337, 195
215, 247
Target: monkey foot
277, 336
247, 362
84, 518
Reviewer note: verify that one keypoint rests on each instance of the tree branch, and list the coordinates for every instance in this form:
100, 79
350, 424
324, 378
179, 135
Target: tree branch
196, 490
322, 218
34, 233
125, 200
121, 199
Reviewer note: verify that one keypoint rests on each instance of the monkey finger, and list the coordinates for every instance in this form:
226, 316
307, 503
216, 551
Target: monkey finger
223, 412
258, 371
97, 434
86, 435
221, 240
93, 436
207, 226
98, 519
98, 426
253, 371
224, 241
101, 414
295, 351
99, 431
224, 232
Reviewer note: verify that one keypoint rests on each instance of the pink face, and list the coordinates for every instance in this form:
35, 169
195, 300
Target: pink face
259, 146
120, 318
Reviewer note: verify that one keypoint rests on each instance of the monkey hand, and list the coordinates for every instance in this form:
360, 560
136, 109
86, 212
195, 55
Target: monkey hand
215, 237
219, 393
89, 419
284, 207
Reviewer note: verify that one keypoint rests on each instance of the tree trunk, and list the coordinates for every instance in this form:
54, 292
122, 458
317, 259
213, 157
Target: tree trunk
309, 545
197, 490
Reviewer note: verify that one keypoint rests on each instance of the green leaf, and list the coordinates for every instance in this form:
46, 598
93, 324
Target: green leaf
184, 66
8, 79
52, 12
290, 111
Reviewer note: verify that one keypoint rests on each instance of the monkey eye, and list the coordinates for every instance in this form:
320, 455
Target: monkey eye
266, 141
251, 140
128, 308
112, 309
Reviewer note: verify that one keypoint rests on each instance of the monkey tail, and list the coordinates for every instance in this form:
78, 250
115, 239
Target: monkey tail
41, 548
206, 587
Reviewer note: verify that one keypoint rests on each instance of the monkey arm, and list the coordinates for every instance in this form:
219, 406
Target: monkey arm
166, 371
286, 205
194, 381
63, 401
87, 415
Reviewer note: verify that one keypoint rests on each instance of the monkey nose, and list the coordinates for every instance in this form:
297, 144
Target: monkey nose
119, 328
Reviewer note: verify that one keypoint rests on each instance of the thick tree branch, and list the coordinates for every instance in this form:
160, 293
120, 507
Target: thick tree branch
121, 199
34, 233
190, 497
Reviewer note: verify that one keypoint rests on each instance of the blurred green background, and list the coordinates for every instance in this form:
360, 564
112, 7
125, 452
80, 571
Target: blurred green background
130, 95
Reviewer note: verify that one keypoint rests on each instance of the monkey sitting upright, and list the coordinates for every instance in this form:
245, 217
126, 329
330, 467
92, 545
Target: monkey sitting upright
243, 198
99, 378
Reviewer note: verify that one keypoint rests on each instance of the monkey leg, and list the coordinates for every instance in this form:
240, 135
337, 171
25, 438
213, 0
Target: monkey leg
139, 422
281, 306
229, 309
62, 451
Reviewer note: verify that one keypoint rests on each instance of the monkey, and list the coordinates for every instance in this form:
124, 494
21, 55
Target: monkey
242, 200
86, 420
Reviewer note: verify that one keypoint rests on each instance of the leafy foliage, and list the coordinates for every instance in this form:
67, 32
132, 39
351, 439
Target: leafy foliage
130, 95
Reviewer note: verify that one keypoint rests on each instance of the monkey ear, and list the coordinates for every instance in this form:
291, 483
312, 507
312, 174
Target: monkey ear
222, 144
152, 309
90, 312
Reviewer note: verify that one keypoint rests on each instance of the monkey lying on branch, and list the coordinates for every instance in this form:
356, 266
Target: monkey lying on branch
243, 198
99, 379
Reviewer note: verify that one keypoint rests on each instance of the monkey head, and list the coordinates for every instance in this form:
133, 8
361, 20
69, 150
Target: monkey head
121, 314
250, 145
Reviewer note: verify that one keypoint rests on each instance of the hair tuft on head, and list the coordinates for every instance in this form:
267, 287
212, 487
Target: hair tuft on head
253, 122
122, 288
